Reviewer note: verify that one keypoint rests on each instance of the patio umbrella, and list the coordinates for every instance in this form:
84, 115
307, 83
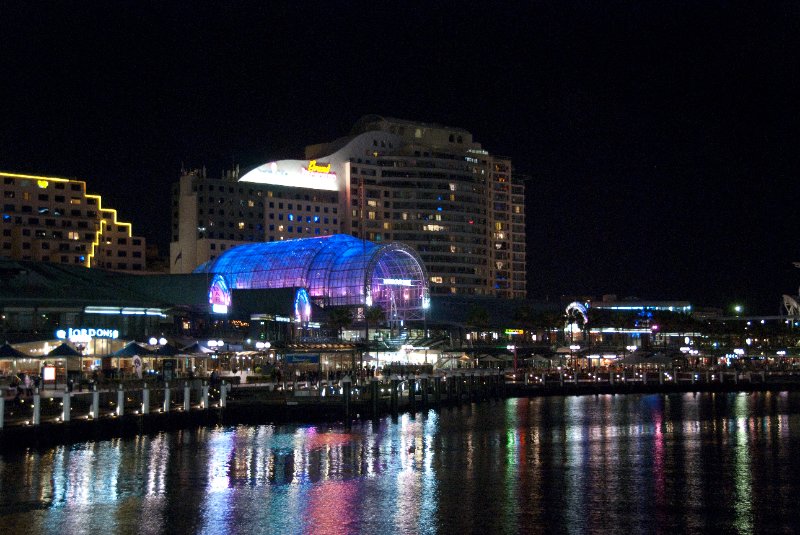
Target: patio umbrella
167, 350
197, 349
131, 349
8, 352
64, 350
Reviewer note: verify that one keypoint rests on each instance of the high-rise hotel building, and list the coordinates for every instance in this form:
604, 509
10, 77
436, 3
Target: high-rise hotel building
429, 186
54, 220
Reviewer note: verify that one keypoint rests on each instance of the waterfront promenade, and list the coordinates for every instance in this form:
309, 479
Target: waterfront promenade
57, 415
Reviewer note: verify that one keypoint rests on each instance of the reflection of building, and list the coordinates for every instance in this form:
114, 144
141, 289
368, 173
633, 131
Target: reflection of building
55, 220
428, 186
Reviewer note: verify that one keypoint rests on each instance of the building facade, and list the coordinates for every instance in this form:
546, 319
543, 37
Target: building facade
211, 215
55, 220
428, 186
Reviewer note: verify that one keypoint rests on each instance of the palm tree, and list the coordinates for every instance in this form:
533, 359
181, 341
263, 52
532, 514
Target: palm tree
477, 318
339, 318
374, 314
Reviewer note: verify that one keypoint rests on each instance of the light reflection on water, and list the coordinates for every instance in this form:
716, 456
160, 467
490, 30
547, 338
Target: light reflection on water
641, 463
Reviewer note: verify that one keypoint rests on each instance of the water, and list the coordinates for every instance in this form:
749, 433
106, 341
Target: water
636, 463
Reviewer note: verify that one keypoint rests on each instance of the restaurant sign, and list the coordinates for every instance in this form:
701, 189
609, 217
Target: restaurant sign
86, 333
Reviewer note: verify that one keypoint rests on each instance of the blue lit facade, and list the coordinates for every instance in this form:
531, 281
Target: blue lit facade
337, 270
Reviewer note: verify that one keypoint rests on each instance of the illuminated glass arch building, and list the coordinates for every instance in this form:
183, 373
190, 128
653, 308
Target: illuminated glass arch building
336, 270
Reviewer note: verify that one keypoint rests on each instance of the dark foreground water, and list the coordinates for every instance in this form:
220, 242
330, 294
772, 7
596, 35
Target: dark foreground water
638, 464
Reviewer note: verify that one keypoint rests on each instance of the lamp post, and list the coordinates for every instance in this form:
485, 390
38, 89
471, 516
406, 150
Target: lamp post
512, 347
572, 349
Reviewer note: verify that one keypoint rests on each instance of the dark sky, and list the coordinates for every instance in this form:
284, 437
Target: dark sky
661, 138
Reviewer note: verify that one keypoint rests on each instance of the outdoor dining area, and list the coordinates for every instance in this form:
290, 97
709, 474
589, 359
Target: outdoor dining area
67, 364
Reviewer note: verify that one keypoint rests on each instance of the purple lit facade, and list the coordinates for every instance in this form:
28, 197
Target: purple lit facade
337, 270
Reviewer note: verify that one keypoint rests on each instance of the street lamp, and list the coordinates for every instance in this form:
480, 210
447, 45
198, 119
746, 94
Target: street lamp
513, 348
572, 349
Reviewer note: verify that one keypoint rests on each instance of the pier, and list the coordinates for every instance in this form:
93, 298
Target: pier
58, 416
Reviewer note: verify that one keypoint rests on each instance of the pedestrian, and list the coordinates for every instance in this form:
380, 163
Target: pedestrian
28, 384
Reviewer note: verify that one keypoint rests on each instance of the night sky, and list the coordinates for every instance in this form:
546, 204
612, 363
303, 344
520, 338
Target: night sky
660, 139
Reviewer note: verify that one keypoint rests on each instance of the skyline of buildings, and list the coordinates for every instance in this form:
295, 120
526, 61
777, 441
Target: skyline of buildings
429, 186
388, 180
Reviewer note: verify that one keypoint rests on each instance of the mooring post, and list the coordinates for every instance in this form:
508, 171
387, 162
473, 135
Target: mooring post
66, 402
205, 395
2, 411
347, 385
412, 393
120, 400
95, 402
437, 386
223, 395
37, 407
424, 381
395, 382
375, 388
187, 397
145, 399
167, 395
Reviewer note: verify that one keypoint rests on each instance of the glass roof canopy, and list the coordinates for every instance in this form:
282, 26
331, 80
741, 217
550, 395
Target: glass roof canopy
336, 270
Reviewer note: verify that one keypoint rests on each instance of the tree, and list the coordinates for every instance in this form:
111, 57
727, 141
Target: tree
374, 314
339, 318
478, 317
553, 321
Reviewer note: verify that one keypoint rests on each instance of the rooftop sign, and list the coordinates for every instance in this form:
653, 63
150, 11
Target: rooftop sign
294, 173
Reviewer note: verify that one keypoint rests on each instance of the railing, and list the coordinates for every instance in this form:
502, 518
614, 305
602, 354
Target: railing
19, 408
35, 406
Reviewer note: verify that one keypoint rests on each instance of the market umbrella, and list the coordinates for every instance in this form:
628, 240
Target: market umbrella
197, 349
64, 350
167, 350
8, 352
131, 349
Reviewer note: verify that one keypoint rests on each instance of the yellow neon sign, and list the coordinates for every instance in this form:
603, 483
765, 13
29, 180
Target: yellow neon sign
314, 168
42, 183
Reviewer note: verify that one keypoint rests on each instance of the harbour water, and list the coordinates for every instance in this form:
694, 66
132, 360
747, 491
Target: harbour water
721, 462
